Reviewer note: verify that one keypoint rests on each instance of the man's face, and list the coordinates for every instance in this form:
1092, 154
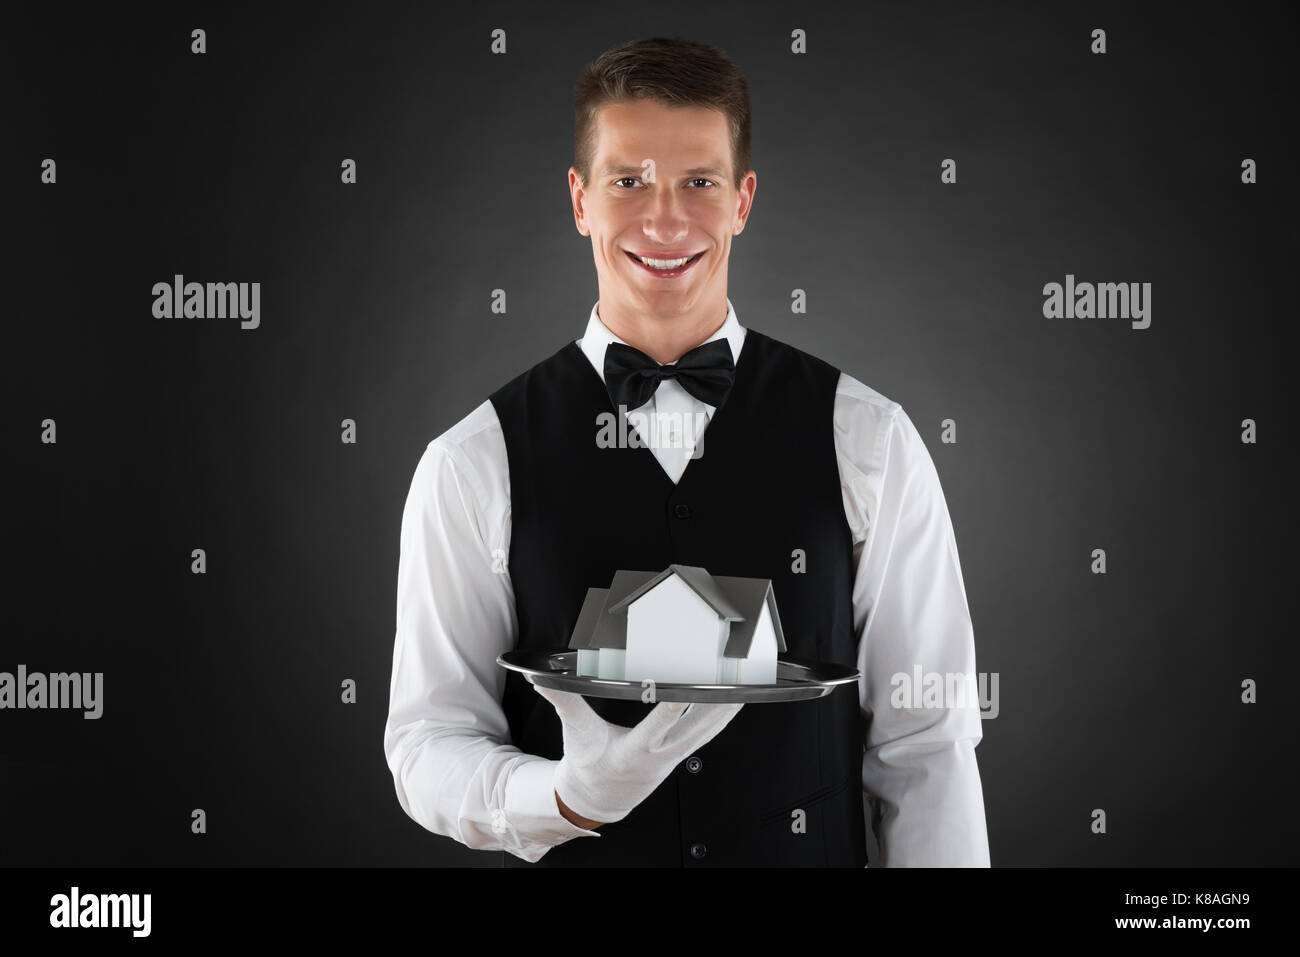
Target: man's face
684, 206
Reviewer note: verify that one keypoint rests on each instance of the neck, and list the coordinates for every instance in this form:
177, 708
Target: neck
664, 340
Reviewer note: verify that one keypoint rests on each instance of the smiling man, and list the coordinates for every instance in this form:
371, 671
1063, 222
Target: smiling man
811, 479
661, 211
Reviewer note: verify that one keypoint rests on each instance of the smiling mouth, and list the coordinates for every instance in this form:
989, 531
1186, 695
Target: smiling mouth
665, 268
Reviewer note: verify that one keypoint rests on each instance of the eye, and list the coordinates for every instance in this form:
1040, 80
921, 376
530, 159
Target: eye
627, 179
702, 180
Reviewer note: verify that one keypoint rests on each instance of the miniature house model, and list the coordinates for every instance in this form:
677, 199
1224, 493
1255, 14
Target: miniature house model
680, 625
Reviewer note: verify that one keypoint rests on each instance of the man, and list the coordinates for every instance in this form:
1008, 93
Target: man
808, 478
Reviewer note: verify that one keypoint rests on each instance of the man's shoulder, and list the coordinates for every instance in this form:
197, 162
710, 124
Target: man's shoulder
849, 391
479, 433
470, 431
478, 436
779, 350
563, 362
464, 469
855, 394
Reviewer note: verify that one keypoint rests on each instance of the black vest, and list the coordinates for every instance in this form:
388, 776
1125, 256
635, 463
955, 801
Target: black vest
764, 492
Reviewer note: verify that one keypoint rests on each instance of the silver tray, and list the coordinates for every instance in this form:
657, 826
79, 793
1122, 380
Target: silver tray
797, 679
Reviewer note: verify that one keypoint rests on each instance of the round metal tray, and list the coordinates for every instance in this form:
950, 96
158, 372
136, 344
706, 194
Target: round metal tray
797, 679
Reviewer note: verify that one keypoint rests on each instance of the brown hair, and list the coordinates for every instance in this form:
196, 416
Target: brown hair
668, 70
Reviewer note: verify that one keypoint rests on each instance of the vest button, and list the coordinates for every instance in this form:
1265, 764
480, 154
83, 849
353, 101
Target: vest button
693, 764
682, 511
698, 851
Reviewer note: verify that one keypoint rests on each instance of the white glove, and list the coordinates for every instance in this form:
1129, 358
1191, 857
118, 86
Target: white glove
608, 769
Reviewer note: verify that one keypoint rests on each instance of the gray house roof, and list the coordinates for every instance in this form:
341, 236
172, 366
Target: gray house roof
597, 630
602, 622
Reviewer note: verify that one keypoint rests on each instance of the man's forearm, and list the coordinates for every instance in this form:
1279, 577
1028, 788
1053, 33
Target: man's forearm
574, 817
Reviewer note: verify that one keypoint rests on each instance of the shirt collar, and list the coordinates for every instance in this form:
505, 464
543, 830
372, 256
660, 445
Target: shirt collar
597, 337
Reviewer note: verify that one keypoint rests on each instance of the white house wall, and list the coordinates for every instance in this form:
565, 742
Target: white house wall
760, 667
672, 636
612, 664
728, 671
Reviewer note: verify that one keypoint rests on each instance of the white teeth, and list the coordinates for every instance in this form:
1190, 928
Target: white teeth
664, 263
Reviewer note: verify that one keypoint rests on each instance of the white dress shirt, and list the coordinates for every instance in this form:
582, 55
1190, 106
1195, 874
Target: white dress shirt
447, 740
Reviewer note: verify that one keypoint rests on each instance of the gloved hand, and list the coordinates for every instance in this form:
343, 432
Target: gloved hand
608, 769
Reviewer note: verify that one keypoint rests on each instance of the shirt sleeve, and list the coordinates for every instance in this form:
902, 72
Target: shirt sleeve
918, 769
446, 739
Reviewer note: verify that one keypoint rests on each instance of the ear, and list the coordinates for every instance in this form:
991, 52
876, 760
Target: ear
576, 195
748, 186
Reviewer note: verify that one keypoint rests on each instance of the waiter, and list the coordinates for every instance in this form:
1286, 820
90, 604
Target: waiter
808, 478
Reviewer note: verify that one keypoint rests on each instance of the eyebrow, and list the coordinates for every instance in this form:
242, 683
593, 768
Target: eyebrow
637, 170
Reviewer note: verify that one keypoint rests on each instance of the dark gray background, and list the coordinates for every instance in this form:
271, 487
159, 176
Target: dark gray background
222, 691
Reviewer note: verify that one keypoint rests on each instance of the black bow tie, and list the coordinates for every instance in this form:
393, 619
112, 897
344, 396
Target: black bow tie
631, 376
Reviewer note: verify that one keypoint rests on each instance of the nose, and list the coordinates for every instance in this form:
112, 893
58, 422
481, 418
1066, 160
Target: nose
664, 223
